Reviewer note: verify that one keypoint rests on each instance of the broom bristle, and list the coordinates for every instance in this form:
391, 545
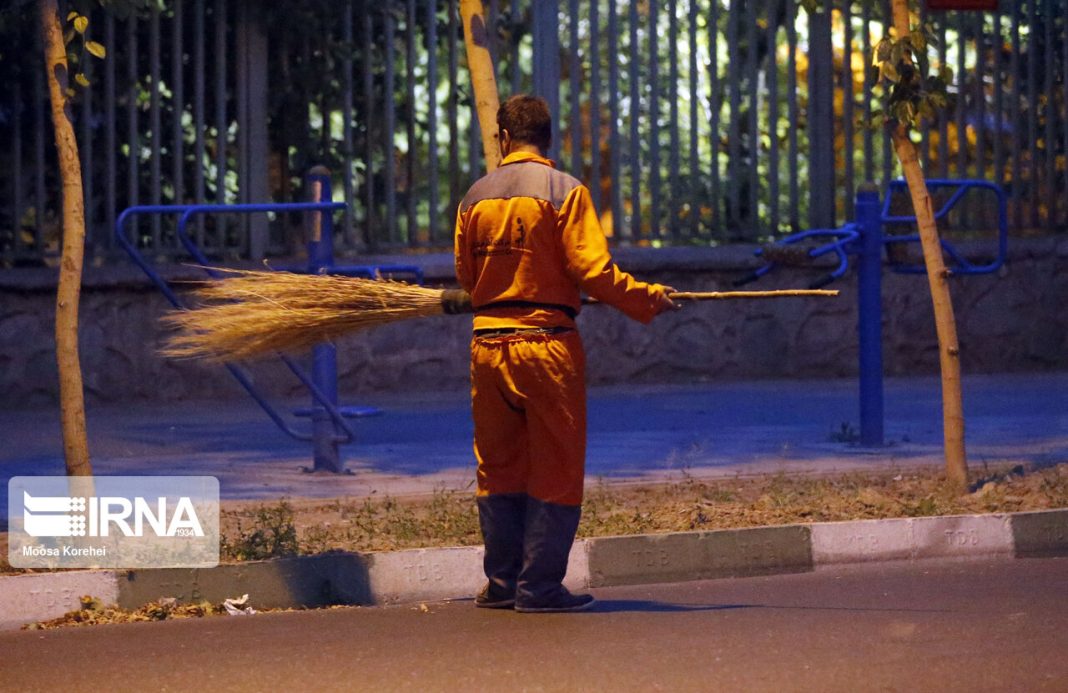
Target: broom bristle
252, 313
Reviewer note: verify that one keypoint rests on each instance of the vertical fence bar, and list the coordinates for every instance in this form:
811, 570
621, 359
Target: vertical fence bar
869, 137
847, 108
453, 111
695, 172
241, 144
85, 147
616, 190
595, 105
1050, 183
220, 114
1032, 113
110, 137
370, 232
40, 201
573, 82
654, 120
980, 97
16, 167
348, 149
635, 144
794, 113
1014, 119
733, 129
925, 126
433, 203
1064, 123
155, 122
998, 43
178, 100
199, 88
716, 102
773, 124
390, 124
888, 157
132, 132
752, 226
673, 110
962, 81
943, 117
514, 45
412, 223
821, 178
547, 70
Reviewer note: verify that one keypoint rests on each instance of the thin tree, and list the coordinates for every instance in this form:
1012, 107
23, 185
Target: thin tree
914, 95
483, 79
68, 293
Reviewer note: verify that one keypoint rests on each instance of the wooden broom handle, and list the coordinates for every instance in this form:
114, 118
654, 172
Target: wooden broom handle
722, 295
718, 295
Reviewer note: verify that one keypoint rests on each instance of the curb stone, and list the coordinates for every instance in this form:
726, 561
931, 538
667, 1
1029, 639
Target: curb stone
415, 575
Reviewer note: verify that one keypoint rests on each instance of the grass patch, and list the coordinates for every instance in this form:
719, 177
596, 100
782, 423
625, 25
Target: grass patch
258, 530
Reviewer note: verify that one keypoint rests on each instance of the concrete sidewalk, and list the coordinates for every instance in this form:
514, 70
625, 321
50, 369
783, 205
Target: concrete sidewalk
422, 441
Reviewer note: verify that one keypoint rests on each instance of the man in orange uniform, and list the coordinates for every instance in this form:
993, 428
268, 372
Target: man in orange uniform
527, 241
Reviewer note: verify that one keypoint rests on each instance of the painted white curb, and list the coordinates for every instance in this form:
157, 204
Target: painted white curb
42, 596
912, 538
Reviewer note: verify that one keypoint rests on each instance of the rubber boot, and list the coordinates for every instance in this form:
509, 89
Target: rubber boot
501, 518
550, 532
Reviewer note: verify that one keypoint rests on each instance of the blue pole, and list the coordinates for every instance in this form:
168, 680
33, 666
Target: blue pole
870, 314
325, 434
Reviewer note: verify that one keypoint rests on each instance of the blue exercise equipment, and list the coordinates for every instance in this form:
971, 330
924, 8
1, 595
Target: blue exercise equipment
864, 238
329, 427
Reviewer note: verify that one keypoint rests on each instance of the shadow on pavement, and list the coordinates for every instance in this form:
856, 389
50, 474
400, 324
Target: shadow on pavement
611, 606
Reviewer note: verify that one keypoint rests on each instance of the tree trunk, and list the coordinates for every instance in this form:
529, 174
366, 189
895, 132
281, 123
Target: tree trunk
937, 277
71, 395
483, 80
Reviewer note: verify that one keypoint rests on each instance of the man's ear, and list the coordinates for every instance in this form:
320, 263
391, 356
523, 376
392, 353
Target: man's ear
504, 141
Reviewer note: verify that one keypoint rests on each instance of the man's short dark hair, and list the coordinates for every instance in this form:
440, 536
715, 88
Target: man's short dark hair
527, 119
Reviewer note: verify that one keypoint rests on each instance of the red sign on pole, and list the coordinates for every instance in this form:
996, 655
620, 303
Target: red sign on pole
980, 5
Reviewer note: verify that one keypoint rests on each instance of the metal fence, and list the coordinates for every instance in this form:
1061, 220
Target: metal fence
693, 121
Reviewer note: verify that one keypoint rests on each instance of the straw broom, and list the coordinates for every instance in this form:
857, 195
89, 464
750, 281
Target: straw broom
251, 313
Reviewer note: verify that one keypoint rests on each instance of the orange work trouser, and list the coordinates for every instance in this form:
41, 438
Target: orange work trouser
528, 399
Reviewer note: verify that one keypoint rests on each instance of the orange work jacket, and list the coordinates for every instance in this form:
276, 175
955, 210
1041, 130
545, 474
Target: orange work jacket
528, 241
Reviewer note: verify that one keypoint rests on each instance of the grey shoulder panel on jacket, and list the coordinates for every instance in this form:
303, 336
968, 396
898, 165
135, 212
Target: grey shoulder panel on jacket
523, 179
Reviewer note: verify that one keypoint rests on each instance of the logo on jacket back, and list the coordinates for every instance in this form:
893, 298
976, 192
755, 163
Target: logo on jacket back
515, 238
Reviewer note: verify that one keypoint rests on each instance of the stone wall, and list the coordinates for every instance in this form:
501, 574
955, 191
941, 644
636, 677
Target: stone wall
1014, 320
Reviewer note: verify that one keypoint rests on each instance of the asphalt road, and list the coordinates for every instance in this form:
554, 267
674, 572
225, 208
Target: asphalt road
936, 626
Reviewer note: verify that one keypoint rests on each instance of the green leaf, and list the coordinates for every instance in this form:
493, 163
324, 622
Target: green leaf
882, 51
81, 79
96, 49
81, 23
897, 52
72, 14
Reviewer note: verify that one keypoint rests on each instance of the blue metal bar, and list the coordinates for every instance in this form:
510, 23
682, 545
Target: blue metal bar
188, 212
962, 186
165, 288
869, 315
319, 394
325, 455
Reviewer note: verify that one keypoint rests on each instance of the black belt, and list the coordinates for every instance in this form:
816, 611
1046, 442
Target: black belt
508, 331
566, 310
